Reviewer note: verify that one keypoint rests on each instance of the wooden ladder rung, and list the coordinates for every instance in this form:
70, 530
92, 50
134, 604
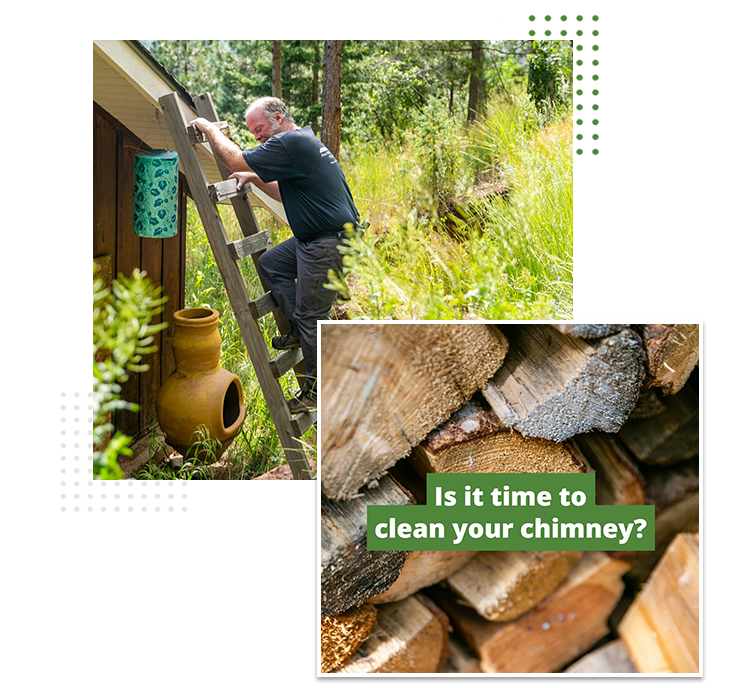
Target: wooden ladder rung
254, 243
301, 422
285, 361
222, 191
263, 305
196, 136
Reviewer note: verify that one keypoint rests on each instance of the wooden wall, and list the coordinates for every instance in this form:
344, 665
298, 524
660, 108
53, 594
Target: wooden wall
163, 259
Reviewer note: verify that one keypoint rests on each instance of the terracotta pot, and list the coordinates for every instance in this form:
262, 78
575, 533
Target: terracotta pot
199, 392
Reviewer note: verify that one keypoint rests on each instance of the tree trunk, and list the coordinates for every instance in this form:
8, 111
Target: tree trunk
315, 85
476, 73
276, 70
331, 105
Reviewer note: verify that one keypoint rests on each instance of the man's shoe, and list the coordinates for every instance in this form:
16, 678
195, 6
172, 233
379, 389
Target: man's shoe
303, 403
290, 340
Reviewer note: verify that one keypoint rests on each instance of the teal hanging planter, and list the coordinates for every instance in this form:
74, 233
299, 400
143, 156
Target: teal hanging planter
155, 193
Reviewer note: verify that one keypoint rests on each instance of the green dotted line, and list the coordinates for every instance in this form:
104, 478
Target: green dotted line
595, 77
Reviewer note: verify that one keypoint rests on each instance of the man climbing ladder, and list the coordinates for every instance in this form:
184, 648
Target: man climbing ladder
294, 167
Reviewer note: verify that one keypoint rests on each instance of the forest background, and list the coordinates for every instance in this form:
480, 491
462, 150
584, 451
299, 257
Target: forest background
458, 153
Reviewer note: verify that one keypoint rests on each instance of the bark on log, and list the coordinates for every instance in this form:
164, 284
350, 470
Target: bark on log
661, 628
351, 574
502, 586
410, 636
385, 386
562, 627
422, 569
474, 441
554, 386
611, 658
588, 331
672, 352
617, 479
343, 634
669, 437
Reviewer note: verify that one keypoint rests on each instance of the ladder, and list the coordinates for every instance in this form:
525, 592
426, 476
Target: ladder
254, 242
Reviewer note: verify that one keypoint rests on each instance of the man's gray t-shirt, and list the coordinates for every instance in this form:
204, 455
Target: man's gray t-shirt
313, 189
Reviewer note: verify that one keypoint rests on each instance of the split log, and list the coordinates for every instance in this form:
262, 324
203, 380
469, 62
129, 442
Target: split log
562, 627
422, 569
611, 658
411, 636
554, 386
385, 386
617, 480
473, 440
672, 352
669, 437
502, 586
350, 573
461, 659
675, 494
343, 634
661, 627
649, 404
588, 331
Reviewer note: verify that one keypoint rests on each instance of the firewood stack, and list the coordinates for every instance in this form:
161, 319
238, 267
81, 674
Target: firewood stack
402, 400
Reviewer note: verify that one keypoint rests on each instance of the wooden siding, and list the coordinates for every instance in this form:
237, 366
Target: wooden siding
163, 259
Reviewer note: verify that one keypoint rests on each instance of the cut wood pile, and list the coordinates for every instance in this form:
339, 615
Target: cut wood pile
401, 400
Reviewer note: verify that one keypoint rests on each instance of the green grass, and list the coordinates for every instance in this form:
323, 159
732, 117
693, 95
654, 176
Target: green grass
514, 255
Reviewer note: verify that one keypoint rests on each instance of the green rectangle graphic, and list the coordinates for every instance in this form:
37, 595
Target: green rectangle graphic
511, 512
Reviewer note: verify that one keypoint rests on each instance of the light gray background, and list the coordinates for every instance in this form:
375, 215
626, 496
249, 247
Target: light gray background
212, 583
640, 205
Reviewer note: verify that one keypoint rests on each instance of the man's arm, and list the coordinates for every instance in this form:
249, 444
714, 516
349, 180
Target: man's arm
222, 146
270, 188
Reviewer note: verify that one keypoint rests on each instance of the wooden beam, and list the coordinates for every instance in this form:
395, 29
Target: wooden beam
196, 135
386, 386
242, 248
661, 627
554, 386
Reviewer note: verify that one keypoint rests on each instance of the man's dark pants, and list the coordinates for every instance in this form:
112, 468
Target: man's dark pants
296, 272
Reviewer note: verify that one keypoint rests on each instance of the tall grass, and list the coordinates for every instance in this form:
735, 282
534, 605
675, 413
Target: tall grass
513, 257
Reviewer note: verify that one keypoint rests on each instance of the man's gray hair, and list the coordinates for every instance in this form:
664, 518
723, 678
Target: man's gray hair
270, 105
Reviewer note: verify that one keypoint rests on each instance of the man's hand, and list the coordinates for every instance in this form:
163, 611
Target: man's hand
244, 178
201, 123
